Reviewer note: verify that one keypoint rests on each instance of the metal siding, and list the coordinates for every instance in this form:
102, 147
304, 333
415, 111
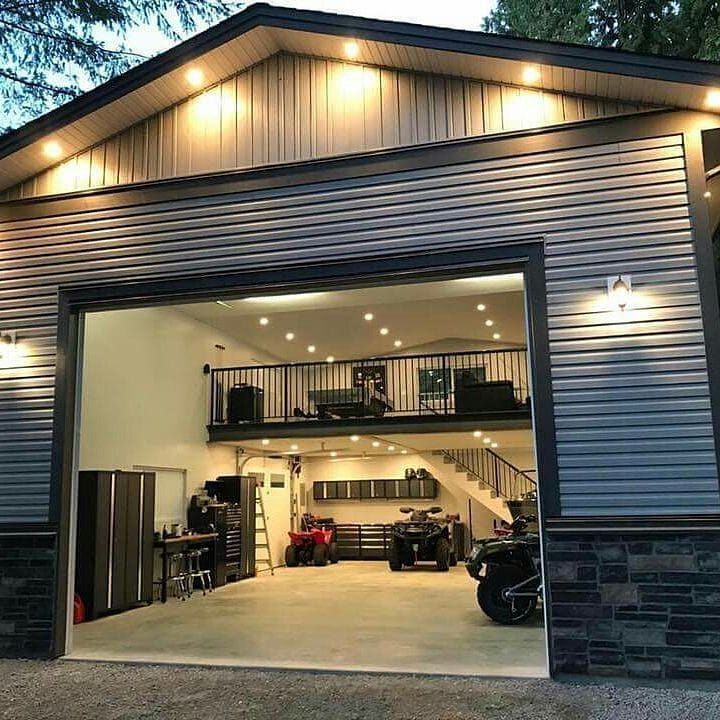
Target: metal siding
632, 406
353, 108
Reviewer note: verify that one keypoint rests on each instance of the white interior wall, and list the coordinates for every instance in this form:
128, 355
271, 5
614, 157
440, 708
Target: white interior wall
381, 510
145, 398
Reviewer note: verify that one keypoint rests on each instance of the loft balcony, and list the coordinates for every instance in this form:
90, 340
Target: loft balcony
404, 393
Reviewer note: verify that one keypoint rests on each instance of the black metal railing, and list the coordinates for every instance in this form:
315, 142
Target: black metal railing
404, 385
493, 471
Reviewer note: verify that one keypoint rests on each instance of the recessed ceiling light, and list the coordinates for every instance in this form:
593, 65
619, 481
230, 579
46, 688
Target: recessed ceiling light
263, 321
403, 452
481, 307
384, 331
195, 77
531, 75
477, 433
496, 336
352, 49
707, 194
289, 336
354, 438
391, 448
489, 323
376, 443
369, 316
493, 445
330, 358
311, 348
265, 441
333, 453
398, 343
52, 149
487, 440
712, 99
293, 447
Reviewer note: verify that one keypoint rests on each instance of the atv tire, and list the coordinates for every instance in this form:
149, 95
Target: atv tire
292, 556
442, 555
492, 600
320, 555
333, 555
453, 559
394, 558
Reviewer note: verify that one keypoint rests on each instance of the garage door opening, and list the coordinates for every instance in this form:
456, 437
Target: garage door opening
254, 476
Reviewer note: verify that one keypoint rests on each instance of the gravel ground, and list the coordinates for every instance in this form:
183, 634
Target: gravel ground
78, 691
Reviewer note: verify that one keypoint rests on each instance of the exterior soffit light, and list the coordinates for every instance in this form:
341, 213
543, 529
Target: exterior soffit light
531, 75
52, 149
352, 50
619, 290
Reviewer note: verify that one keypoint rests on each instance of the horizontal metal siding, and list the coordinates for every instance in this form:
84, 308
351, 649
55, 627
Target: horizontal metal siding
634, 430
290, 108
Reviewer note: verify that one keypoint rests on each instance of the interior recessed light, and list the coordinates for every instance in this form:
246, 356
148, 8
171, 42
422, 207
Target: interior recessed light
369, 316
376, 443
354, 438
489, 323
477, 433
531, 75
391, 448
263, 321
384, 331
265, 441
311, 348
712, 99
707, 194
487, 440
293, 447
289, 336
352, 49
195, 77
481, 307
493, 445
403, 452
333, 453
496, 336
330, 359
398, 343
52, 149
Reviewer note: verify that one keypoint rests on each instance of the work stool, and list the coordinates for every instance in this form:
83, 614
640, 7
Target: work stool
178, 576
192, 558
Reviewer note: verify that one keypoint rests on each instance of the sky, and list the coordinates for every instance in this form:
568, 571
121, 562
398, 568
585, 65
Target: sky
465, 14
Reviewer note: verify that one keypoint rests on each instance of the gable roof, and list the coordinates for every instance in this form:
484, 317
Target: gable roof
262, 30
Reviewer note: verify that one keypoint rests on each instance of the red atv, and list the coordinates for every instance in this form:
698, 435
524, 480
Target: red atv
314, 544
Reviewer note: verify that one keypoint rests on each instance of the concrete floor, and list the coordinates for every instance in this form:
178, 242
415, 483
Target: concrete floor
351, 616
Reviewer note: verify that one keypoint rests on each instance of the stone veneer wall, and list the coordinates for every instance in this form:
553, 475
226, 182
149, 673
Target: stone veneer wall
639, 605
27, 594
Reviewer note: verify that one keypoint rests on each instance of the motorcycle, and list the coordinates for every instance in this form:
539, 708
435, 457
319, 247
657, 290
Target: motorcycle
507, 568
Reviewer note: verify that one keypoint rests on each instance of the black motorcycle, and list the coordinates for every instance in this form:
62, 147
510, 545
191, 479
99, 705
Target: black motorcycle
507, 568
422, 537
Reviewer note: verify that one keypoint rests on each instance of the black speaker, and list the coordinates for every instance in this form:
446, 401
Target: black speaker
245, 404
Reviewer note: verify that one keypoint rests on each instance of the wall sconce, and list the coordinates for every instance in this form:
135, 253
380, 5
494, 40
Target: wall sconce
9, 351
619, 290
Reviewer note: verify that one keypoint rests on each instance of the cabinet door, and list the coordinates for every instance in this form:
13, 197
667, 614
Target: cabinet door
118, 525
147, 556
133, 545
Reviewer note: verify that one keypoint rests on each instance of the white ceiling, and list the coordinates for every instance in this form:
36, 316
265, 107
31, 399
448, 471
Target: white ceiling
426, 317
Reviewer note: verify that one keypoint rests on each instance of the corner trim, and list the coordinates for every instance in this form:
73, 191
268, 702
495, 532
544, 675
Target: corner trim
633, 524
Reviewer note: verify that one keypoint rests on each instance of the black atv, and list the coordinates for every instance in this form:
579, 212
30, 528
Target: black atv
422, 537
507, 568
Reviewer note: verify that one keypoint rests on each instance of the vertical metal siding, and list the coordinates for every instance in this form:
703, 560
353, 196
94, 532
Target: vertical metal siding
291, 108
632, 405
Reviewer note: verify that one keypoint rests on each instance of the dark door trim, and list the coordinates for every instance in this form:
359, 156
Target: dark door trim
527, 257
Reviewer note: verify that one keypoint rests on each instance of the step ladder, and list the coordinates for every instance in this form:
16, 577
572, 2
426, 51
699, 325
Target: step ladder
262, 539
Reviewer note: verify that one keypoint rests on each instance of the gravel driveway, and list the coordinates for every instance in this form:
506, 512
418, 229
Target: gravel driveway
34, 690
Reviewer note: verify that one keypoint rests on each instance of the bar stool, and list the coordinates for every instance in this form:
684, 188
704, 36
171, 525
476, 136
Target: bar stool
194, 570
178, 576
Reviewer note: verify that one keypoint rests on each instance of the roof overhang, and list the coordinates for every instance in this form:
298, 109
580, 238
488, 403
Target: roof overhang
263, 30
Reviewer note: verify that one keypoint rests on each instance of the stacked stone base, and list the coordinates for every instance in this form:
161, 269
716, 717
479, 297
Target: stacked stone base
644, 605
27, 594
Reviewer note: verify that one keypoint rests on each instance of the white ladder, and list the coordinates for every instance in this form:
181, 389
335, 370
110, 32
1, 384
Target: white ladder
262, 532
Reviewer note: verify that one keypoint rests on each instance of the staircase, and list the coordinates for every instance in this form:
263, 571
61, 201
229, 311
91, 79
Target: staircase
482, 475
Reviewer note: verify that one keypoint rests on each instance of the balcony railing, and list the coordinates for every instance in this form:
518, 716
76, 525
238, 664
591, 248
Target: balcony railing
440, 384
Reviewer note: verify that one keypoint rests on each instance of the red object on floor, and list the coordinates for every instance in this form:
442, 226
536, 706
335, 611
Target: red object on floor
78, 610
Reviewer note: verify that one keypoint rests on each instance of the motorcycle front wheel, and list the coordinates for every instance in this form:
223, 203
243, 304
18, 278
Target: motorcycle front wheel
492, 596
